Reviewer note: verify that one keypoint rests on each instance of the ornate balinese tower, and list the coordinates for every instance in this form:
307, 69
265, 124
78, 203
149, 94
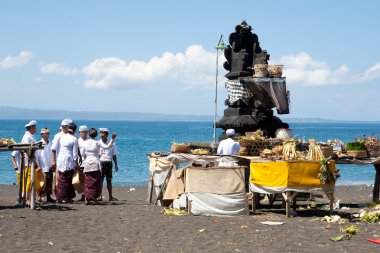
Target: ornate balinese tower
251, 95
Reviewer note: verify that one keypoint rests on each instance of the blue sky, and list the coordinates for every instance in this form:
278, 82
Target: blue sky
159, 56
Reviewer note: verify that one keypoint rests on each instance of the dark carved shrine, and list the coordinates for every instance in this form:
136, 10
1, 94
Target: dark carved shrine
252, 94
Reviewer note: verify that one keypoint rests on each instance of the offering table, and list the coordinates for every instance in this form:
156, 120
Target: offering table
288, 178
376, 164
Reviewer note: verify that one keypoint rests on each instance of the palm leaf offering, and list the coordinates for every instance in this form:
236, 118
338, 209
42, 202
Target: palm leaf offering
325, 175
5, 142
289, 150
315, 152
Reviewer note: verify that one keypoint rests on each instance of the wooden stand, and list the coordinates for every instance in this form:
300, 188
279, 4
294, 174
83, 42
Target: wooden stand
290, 198
376, 165
29, 150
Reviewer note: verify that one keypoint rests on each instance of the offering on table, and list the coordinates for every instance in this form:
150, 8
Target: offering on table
356, 149
179, 148
289, 150
261, 70
372, 145
200, 151
5, 141
275, 70
315, 152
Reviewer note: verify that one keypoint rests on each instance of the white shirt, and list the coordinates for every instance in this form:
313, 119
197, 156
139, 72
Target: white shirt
228, 147
107, 154
91, 154
43, 156
27, 138
55, 143
68, 152
17, 156
81, 145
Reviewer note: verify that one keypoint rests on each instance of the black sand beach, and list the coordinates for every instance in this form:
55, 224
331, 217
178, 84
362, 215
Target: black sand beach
132, 225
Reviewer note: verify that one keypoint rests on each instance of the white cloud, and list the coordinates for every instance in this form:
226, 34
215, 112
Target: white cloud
58, 69
21, 59
370, 74
195, 67
303, 70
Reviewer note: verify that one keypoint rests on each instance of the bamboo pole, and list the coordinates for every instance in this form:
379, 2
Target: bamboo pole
25, 178
33, 193
21, 179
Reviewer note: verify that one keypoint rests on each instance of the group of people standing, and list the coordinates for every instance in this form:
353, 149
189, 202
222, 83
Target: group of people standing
67, 154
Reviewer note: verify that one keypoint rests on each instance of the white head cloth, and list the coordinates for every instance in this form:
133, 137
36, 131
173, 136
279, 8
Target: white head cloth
31, 123
103, 130
83, 129
66, 122
230, 132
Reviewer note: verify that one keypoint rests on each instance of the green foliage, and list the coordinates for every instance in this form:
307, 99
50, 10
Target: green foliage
355, 146
325, 175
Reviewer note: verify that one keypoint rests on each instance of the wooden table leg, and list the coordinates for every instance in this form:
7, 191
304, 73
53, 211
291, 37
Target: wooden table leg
376, 185
151, 187
287, 201
255, 201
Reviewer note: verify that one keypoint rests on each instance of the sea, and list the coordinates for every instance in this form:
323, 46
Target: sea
136, 139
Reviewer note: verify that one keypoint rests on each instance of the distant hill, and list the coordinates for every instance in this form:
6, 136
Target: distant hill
8, 112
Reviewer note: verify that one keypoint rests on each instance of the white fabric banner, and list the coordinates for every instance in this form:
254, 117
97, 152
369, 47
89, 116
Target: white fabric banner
210, 204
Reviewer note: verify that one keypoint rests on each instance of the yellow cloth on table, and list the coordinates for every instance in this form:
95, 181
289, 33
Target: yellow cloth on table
39, 179
288, 174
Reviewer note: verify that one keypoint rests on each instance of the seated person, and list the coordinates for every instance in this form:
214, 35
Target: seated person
229, 146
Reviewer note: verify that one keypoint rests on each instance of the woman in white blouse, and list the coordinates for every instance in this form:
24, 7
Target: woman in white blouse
92, 169
67, 162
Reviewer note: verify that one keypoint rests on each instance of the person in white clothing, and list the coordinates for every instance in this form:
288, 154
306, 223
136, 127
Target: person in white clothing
106, 158
43, 158
83, 133
92, 167
83, 137
229, 146
67, 162
31, 129
56, 140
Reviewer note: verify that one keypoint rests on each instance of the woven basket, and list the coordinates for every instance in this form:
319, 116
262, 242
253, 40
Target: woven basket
254, 147
374, 151
327, 151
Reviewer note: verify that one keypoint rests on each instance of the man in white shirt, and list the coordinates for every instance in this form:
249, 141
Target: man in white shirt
43, 157
31, 129
55, 143
106, 158
229, 146
83, 134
